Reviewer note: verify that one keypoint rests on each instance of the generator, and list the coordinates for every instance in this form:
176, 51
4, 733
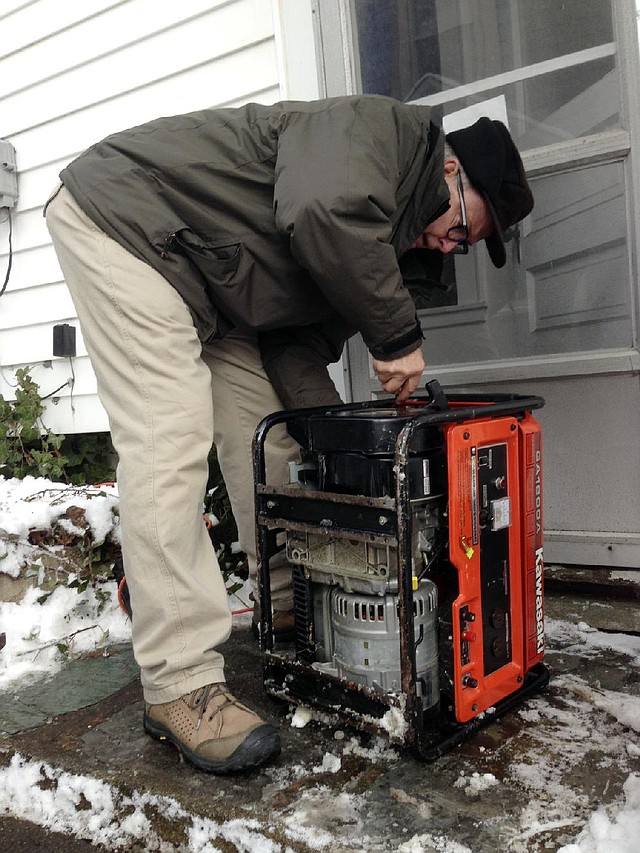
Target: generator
414, 534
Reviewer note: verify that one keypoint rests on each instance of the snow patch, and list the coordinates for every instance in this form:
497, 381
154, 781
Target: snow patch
588, 642
428, 843
40, 635
394, 723
36, 503
380, 750
477, 782
301, 716
614, 827
330, 764
88, 808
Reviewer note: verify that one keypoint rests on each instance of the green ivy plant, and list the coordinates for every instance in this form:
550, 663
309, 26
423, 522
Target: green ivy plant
27, 447
90, 458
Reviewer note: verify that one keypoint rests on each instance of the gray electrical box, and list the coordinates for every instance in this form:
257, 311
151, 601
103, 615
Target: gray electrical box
8, 175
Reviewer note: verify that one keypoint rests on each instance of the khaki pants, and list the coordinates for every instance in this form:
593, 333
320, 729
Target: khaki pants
167, 399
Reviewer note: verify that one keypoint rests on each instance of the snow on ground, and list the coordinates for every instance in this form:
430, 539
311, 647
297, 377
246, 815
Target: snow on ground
36, 504
588, 642
89, 808
584, 721
39, 637
50, 623
45, 627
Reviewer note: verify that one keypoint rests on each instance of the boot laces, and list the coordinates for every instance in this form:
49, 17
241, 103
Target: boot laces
201, 698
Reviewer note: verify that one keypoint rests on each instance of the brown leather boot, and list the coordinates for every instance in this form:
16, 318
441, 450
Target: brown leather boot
213, 730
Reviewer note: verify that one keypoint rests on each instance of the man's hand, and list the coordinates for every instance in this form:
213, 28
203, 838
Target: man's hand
402, 375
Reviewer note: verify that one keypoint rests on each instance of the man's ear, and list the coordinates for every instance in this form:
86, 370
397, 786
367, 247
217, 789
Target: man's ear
451, 167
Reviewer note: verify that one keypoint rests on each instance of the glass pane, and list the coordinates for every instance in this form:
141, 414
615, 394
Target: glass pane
425, 50
566, 104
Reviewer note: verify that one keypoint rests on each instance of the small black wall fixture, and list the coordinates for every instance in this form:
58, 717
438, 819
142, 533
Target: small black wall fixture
64, 340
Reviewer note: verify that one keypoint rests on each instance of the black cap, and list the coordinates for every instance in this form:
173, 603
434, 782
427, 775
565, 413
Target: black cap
493, 165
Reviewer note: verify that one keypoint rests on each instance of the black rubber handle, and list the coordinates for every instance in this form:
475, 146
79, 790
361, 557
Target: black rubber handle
437, 396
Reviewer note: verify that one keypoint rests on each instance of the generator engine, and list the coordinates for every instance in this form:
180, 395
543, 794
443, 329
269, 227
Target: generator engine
414, 533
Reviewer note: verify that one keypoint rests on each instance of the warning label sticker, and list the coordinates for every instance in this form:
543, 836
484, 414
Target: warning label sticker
500, 513
474, 495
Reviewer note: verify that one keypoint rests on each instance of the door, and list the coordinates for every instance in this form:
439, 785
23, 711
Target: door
560, 319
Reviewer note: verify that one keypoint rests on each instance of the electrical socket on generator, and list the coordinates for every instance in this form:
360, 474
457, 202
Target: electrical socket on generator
8, 175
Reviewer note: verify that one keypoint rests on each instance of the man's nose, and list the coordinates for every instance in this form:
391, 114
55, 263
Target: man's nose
447, 245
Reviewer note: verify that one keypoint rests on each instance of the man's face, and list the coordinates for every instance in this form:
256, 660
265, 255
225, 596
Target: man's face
438, 235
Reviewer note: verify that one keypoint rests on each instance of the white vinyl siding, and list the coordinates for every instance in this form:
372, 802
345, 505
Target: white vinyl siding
72, 72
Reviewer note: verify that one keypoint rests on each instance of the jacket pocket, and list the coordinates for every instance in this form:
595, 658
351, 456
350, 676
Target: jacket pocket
226, 283
216, 263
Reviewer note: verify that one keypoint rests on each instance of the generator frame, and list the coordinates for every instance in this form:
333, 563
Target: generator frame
398, 716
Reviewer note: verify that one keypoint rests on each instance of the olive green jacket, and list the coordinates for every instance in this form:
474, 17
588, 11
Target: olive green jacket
286, 220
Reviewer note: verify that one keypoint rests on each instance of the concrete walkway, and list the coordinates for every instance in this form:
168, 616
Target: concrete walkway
527, 782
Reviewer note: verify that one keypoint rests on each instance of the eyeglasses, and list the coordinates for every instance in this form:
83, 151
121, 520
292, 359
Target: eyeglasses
460, 233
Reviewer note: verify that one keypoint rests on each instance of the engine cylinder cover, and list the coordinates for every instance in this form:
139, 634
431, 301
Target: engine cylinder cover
366, 639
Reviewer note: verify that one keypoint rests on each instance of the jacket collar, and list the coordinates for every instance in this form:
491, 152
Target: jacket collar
429, 198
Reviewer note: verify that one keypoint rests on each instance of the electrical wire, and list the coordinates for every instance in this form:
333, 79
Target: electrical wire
8, 273
71, 382
73, 385
55, 391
